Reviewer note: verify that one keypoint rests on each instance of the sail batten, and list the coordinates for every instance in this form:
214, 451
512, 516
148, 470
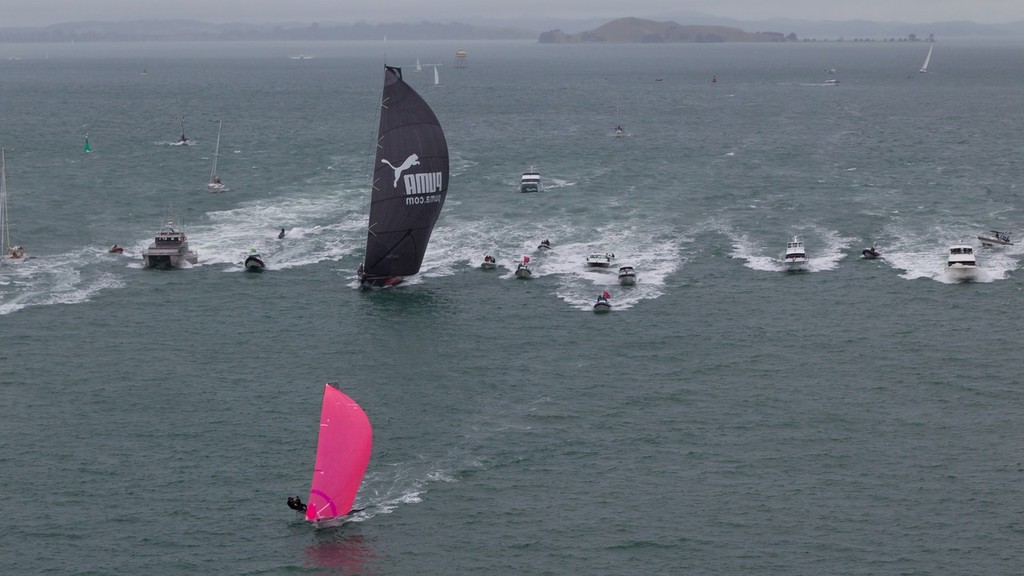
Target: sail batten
343, 451
409, 184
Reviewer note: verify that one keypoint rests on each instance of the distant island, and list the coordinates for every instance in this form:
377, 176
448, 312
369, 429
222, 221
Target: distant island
195, 31
706, 29
640, 31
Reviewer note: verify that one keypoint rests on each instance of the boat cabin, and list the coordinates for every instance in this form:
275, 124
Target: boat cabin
961, 255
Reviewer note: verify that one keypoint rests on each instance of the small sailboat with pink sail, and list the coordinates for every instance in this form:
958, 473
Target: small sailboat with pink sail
342, 454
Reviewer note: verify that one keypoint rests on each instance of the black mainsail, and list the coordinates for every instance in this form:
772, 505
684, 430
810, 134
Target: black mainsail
410, 183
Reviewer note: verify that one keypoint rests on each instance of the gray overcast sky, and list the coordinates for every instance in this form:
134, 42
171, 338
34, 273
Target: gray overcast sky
42, 12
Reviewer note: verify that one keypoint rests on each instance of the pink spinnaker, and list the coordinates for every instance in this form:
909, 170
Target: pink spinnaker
342, 454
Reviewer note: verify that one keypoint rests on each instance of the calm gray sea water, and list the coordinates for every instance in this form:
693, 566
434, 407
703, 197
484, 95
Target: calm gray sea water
863, 417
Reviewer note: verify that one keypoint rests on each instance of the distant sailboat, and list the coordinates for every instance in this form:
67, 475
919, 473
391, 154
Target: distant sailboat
419, 67
927, 59
409, 184
11, 253
437, 79
184, 139
343, 452
215, 184
618, 125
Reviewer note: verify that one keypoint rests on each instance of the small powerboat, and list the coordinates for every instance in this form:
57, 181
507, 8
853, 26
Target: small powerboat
489, 263
603, 304
254, 261
995, 238
523, 269
600, 260
795, 258
544, 245
627, 276
116, 249
870, 253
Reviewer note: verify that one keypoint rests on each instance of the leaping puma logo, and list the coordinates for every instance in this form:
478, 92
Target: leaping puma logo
412, 160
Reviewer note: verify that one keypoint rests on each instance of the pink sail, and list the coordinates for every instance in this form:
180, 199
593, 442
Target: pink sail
342, 453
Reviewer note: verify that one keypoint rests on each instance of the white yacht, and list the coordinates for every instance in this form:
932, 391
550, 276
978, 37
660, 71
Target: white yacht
627, 276
600, 260
531, 181
169, 249
961, 263
796, 257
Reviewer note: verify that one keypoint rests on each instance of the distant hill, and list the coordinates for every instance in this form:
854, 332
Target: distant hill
638, 30
192, 30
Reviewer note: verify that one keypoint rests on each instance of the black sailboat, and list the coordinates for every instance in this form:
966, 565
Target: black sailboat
410, 183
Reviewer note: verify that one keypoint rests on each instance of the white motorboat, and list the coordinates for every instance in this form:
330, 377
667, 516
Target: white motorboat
870, 253
523, 270
795, 258
169, 249
627, 276
961, 263
488, 263
603, 303
254, 261
995, 238
600, 260
531, 181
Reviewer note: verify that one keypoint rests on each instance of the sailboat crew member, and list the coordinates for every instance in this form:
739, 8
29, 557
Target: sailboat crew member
295, 503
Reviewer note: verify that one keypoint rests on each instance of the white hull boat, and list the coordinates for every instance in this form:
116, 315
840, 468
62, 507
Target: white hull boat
795, 258
531, 181
169, 249
995, 238
600, 260
961, 263
627, 276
